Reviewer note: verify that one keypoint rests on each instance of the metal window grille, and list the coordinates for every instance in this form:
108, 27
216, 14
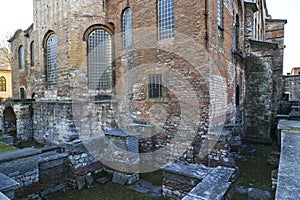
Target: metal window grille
166, 19
155, 86
51, 61
21, 57
2, 83
100, 59
32, 53
220, 18
127, 29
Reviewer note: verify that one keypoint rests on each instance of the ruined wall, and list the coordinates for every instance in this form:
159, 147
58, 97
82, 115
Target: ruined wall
291, 86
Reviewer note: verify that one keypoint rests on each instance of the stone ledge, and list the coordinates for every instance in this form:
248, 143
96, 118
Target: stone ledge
288, 185
3, 197
289, 125
191, 170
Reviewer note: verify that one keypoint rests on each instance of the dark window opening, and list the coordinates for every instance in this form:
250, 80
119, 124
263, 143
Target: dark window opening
237, 95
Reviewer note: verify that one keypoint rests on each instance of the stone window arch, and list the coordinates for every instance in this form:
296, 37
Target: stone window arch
127, 29
21, 57
51, 60
165, 19
99, 57
2, 84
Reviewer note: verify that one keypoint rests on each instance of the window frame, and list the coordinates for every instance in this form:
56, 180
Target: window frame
21, 56
94, 82
32, 53
3, 84
127, 39
220, 19
51, 61
166, 24
162, 98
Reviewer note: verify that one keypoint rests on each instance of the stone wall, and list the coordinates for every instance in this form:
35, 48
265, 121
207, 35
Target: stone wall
197, 182
291, 87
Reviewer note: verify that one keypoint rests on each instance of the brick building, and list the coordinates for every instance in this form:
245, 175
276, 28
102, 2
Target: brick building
172, 70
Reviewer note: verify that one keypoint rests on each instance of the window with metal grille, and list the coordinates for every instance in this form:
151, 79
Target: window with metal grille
100, 59
127, 29
220, 18
51, 61
32, 53
21, 57
155, 86
2, 84
165, 19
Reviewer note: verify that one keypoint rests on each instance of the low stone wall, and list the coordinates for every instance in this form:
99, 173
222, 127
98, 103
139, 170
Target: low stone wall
197, 182
7, 139
7, 187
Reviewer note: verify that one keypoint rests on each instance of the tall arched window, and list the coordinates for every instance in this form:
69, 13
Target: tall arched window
165, 19
100, 59
2, 84
32, 53
51, 61
127, 29
21, 57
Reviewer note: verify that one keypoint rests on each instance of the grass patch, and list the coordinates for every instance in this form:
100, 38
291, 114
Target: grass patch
155, 177
255, 172
5, 148
109, 191
31, 144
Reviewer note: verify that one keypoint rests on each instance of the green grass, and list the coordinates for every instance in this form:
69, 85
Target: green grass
155, 177
109, 191
30, 144
254, 170
5, 148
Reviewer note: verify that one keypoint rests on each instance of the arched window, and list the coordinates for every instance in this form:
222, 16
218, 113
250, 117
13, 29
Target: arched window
127, 29
51, 61
99, 59
165, 19
32, 53
2, 84
21, 57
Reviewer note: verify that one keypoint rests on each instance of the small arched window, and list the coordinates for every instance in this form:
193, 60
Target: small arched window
165, 19
21, 57
99, 59
2, 84
32, 53
127, 29
51, 56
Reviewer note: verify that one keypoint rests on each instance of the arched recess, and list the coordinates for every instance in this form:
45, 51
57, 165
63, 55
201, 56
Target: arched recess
10, 122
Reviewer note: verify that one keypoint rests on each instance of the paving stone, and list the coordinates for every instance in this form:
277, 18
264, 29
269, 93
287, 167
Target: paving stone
80, 182
120, 178
89, 180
